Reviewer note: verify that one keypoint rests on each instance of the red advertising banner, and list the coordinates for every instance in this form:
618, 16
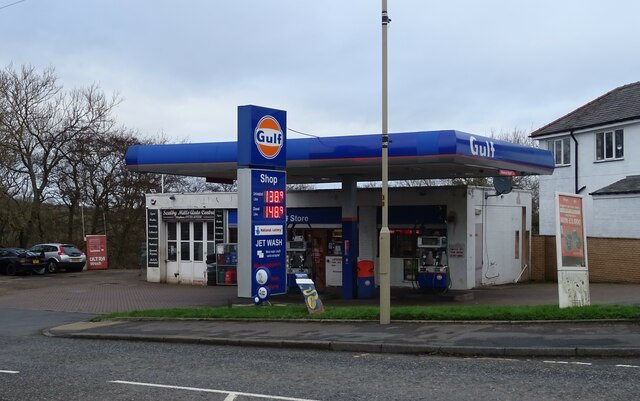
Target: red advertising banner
571, 230
97, 252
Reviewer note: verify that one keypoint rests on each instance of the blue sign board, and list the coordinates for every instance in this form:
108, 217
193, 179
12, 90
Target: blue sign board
262, 137
262, 186
268, 232
416, 214
314, 215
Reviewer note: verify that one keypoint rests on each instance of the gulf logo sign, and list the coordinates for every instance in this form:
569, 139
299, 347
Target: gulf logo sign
268, 137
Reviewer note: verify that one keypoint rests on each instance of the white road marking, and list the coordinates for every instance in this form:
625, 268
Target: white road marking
232, 394
11, 372
627, 366
231, 397
569, 363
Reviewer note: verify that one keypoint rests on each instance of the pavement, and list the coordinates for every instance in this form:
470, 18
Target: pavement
491, 339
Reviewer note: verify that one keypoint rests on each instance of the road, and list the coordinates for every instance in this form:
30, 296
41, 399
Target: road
35, 367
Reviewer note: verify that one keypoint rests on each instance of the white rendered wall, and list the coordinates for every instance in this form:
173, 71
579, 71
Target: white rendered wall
501, 217
593, 175
624, 210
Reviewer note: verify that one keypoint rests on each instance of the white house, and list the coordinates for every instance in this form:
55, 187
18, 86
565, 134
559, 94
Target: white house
597, 154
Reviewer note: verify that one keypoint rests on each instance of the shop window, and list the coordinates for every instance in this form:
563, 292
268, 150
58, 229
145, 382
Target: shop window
198, 237
610, 145
185, 241
233, 234
172, 241
403, 243
211, 244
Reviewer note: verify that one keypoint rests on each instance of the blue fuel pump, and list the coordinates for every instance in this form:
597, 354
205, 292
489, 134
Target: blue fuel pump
433, 268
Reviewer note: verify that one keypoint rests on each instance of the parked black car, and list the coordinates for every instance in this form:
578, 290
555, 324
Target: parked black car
19, 260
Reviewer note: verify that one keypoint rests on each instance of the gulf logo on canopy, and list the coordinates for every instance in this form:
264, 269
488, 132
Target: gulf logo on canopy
268, 137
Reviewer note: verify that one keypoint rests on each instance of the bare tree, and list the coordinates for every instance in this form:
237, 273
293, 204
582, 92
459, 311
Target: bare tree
183, 184
38, 125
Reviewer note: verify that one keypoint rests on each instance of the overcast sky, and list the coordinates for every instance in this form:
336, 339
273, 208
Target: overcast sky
183, 66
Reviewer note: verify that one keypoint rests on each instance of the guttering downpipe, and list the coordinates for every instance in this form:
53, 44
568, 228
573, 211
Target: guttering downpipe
575, 141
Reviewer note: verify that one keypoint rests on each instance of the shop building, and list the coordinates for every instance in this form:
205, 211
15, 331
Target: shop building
483, 239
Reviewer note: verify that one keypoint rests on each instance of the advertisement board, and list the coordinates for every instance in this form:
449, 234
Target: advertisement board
571, 251
97, 252
573, 242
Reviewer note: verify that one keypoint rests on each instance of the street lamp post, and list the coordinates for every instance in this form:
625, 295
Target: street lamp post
385, 246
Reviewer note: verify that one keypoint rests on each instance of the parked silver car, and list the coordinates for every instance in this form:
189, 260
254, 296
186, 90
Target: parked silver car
61, 256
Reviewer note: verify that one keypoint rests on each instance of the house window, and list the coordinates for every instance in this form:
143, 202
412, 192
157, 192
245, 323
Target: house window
561, 149
610, 145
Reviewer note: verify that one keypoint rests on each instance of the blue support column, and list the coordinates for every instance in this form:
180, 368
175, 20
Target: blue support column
349, 237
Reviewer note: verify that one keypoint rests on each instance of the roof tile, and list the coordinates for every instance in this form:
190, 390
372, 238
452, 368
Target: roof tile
620, 104
628, 185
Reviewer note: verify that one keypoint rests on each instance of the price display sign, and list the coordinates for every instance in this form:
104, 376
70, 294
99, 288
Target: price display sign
268, 230
262, 186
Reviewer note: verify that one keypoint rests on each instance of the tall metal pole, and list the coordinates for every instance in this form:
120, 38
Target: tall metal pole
385, 246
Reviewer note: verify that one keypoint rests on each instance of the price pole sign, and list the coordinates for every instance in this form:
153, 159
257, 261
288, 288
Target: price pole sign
262, 188
268, 234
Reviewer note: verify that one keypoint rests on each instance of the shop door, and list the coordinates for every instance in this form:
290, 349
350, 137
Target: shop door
199, 252
479, 254
186, 252
185, 264
318, 253
172, 252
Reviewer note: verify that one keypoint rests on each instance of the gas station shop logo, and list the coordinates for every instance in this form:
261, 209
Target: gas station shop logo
268, 137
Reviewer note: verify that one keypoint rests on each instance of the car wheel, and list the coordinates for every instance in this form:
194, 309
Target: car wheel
11, 269
52, 266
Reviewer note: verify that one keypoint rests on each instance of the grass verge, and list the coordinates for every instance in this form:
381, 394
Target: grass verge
453, 313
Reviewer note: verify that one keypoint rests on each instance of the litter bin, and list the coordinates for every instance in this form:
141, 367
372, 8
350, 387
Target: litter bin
220, 273
366, 279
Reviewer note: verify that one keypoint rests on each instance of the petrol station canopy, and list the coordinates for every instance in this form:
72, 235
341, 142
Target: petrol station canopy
412, 155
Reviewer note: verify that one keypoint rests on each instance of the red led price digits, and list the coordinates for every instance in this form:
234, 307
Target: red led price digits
273, 212
273, 196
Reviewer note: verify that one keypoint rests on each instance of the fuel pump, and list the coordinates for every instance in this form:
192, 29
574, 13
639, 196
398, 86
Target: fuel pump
433, 268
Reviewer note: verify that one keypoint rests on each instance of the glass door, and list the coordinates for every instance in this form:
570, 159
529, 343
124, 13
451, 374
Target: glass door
199, 256
172, 252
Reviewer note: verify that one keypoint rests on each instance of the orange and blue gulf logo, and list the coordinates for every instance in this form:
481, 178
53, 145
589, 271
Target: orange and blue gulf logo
268, 137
